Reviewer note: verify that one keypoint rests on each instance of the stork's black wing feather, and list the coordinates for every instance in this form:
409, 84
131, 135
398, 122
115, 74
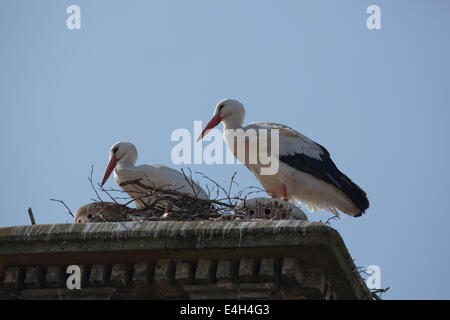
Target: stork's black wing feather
325, 170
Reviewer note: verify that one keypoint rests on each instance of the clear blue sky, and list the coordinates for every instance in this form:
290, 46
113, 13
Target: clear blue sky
378, 100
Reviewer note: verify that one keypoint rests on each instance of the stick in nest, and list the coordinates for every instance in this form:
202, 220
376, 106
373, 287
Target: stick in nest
376, 293
173, 192
63, 203
219, 187
92, 184
191, 182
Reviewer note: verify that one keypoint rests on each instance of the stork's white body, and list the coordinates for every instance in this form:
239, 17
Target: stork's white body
124, 157
155, 175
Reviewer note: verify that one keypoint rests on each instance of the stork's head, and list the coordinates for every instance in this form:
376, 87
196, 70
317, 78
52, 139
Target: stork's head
229, 111
120, 152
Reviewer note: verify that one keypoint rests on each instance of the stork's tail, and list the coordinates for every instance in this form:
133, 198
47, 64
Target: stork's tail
356, 195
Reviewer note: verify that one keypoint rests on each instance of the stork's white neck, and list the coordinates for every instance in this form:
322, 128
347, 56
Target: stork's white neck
128, 160
126, 170
232, 122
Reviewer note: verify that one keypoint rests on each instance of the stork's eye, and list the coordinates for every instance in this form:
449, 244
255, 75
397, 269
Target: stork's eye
221, 107
115, 149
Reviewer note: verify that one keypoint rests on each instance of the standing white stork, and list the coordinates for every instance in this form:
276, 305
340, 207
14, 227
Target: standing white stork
306, 172
122, 159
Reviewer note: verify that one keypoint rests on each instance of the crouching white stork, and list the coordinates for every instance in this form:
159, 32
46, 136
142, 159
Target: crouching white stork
306, 172
122, 160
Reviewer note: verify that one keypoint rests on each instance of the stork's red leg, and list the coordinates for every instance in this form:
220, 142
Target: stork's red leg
285, 196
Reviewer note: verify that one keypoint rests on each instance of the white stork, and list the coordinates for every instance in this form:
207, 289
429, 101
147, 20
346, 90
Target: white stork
306, 172
122, 159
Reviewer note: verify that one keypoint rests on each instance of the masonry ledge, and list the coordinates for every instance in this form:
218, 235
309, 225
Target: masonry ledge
313, 244
163, 235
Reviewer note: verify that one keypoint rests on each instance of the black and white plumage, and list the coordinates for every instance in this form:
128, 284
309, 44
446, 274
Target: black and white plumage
306, 172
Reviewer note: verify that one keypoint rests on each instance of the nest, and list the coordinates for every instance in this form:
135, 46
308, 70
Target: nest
155, 203
158, 204
164, 203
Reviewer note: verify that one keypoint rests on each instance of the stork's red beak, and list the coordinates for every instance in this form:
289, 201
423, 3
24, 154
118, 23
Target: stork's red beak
211, 124
111, 165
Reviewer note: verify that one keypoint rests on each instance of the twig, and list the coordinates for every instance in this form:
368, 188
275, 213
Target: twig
60, 201
30, 213
112, 198
363, 270
231, 184
329, 219
190, 181
92, 184
376, 293
252, 190
218, 186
